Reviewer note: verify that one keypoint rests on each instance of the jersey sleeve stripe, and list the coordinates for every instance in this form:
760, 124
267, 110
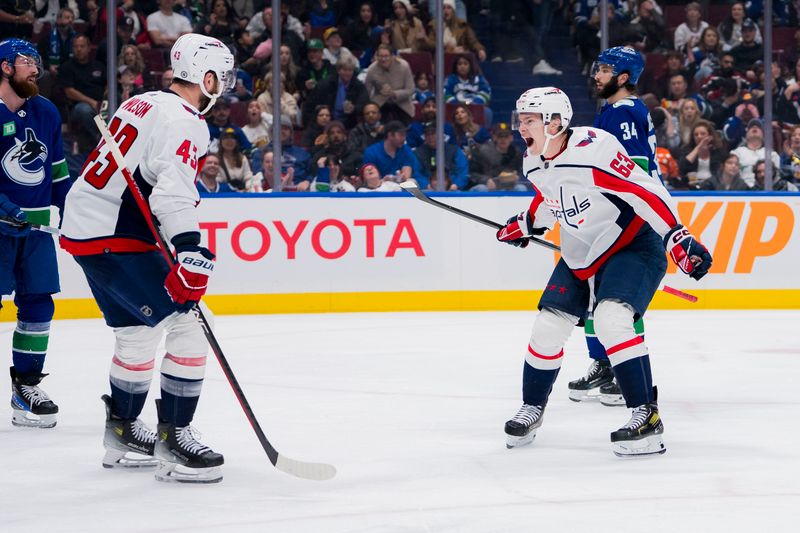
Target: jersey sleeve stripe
614, 183
60, 171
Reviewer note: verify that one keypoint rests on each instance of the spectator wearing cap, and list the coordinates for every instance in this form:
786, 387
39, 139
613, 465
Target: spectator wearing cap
357, 35
334, 49
370, 130
220, 118
334, 141
372, 181
455, 162
343, 93
317, 68
207, 180
293, 156
165, 26
416, 130
730, 29
492, 158
234, 167
391, 85
746, 53
459, 37
752, 149
125, 36
393, 157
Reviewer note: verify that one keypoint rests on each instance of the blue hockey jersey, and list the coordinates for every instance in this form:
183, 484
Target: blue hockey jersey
33, 171
629, 121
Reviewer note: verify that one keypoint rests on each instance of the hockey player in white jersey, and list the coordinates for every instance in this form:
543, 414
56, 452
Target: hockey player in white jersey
164, 138
616, 222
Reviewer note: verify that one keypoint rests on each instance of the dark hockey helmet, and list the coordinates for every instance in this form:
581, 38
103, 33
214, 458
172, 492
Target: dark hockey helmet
622, 59
10, 49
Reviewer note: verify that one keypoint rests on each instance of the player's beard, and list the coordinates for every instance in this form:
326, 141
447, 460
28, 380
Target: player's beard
23, 88
203, 103
609, 89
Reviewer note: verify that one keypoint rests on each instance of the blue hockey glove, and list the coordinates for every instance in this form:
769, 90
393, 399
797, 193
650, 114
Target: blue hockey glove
687, 252
15, 221
518, 229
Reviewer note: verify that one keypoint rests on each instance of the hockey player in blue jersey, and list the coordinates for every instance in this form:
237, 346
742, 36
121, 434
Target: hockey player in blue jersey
625, 116
33, 176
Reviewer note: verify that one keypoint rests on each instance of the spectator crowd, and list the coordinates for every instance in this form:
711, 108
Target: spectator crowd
357, 107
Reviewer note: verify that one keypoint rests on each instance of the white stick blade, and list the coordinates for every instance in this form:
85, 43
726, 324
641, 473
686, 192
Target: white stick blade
301, 469
409, 184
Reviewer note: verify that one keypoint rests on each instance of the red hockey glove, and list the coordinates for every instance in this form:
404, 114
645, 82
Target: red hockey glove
518, 229
687, 252
186, 283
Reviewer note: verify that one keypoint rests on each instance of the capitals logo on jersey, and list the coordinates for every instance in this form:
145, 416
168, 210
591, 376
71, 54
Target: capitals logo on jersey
24, 163
590, 136
569, 211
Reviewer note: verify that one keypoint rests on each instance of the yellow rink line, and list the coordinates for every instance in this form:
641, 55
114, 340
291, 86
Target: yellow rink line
238, 304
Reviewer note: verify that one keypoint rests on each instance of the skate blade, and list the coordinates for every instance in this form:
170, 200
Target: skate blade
27, 419
584, 395
512, 441
648, 446
128, 460
612, 400
175, 473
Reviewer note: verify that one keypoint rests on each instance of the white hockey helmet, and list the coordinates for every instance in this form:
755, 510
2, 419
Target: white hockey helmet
193, 55
547, 101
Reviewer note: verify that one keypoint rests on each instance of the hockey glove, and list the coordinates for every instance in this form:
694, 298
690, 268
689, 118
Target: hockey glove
518, 229
186, 283
687, 252
15, 221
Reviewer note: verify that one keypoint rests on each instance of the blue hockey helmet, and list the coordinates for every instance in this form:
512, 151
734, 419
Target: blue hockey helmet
11, 48
623, 59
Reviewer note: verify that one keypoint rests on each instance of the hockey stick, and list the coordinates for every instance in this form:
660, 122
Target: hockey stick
302, 469
412, 187
35, 227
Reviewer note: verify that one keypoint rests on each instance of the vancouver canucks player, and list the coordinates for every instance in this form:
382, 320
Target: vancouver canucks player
33, 176
616, 221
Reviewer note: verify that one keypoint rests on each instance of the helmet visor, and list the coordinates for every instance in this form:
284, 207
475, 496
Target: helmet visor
227, 79
30, 61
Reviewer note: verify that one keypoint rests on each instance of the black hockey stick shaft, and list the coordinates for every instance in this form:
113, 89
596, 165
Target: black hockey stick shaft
413, 188
35, 227
306, 470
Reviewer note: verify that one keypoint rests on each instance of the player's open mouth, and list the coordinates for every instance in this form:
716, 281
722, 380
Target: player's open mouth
529, 141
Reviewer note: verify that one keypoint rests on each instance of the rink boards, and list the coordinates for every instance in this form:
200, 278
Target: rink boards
390, 252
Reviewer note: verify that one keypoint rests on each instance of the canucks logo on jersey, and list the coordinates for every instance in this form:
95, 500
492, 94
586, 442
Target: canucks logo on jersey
24, 163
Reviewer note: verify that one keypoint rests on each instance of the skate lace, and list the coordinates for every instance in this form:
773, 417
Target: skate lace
142, 433
527, 414
638, 416
34, 395
188, 437
594, 369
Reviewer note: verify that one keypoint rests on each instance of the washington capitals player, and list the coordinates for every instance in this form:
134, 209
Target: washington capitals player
33, 176
615, 221
164, 138
616, 73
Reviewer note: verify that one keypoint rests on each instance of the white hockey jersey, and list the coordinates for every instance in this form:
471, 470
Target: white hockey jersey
164, 140
600, 197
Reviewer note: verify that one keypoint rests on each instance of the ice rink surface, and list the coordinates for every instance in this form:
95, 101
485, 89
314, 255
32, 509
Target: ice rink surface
410, 408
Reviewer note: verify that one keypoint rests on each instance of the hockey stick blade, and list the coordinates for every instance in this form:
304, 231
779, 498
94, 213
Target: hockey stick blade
413, 188
35, 227
313, 471
680, 294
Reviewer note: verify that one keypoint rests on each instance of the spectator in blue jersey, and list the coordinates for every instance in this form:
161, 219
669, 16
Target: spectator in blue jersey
219, 119
33, 176
422, 87
393, 157
293, 156
456, 165
416, 131
468, 134
84, 83
465, 84
207, 180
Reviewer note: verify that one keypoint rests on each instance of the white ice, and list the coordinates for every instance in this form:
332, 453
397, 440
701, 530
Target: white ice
410, 408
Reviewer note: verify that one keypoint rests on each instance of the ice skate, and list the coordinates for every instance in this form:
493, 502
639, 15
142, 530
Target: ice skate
183, 458
521, 429
129, 443
32, 406
641, 436
611, 395
587, 388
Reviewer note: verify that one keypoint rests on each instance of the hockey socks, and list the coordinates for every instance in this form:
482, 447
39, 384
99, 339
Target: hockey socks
181, 383
634, 379
29, 346
596, 349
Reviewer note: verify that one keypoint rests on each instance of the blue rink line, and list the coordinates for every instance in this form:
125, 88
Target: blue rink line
366, 195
